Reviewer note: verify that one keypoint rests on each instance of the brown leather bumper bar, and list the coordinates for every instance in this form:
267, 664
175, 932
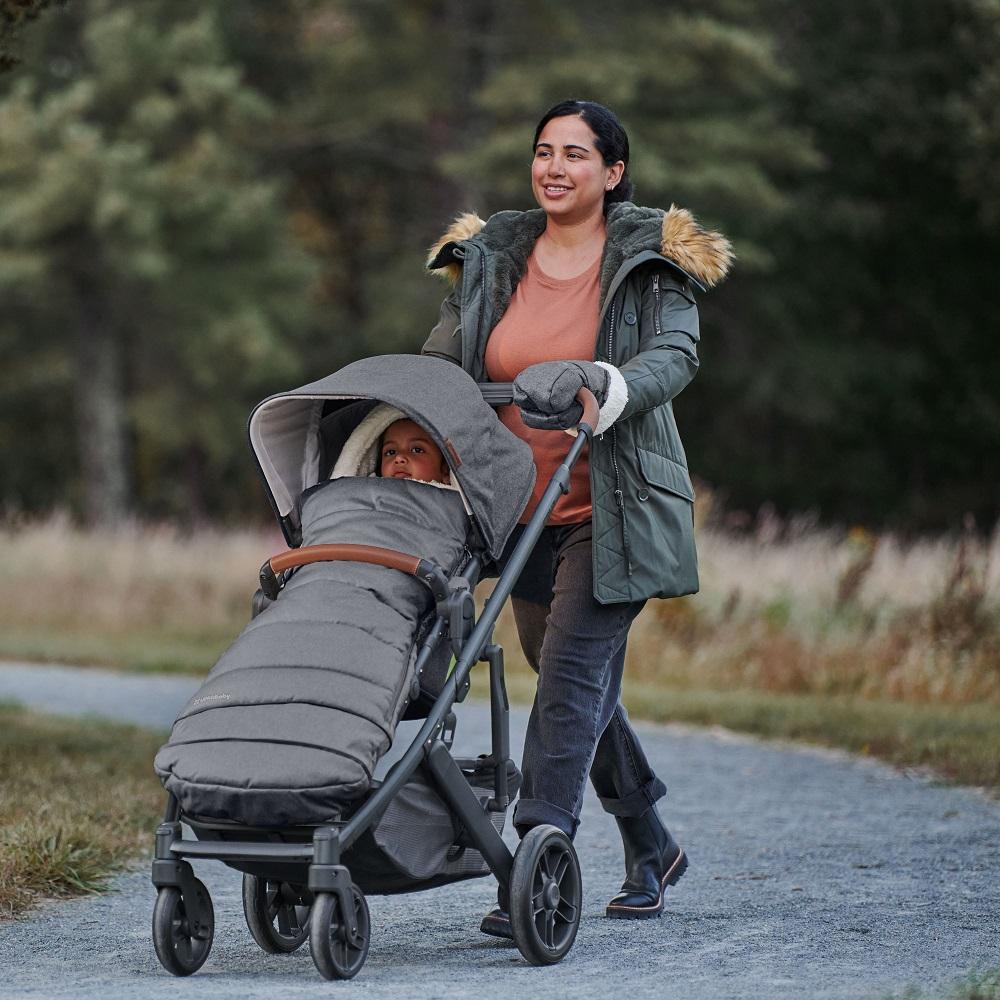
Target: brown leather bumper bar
425, 571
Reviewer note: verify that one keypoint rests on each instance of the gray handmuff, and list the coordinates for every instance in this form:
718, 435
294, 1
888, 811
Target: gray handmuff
290, 723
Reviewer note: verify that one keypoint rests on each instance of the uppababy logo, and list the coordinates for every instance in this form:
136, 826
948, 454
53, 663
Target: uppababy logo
211, 697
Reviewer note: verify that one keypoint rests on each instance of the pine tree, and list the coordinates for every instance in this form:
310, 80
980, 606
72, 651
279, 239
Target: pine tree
138, 239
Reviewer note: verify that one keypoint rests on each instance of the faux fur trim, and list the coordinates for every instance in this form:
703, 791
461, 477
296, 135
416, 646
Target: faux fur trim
700, 253
617, 398
465, 226
703, 253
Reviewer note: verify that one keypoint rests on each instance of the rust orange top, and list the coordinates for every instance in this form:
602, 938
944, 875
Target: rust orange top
548, 319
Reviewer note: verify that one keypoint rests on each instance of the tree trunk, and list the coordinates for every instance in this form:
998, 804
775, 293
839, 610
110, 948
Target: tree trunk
470, 25
100, 419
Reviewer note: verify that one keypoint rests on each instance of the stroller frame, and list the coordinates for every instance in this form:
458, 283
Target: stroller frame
540, 883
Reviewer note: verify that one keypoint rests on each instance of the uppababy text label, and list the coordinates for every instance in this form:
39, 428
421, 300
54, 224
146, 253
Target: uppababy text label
212, 697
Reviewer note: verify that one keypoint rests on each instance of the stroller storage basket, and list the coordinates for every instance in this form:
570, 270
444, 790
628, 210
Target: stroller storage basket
418, 843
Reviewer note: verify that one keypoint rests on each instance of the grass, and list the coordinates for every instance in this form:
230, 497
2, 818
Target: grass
873, 643
141, 598
957, 742
77, 799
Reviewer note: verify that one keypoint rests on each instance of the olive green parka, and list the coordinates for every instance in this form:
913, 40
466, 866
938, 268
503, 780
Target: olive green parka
643, 524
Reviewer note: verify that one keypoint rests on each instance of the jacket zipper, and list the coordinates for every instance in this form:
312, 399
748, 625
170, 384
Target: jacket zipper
619, 493
656, 299
482, 307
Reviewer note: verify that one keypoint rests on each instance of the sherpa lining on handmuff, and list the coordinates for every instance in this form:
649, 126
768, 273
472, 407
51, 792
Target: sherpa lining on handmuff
289, 724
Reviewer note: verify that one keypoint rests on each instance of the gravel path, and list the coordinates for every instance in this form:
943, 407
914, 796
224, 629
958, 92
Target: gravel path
813, 874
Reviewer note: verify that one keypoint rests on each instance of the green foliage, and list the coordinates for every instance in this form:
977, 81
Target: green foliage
14, 14
131, 190
859, 378
172, 174
77, 799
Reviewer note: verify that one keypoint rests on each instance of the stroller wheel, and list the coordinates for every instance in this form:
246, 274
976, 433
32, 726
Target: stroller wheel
182, 943
335, 955
277, 914
545, 895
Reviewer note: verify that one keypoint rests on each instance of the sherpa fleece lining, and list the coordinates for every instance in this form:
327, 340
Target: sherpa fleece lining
360, 454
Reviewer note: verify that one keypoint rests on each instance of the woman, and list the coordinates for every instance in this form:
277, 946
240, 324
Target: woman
589, 290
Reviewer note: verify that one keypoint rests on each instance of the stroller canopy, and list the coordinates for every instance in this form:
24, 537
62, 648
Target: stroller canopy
297, 436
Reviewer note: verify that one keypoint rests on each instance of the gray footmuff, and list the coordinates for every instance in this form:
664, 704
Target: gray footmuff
290, 722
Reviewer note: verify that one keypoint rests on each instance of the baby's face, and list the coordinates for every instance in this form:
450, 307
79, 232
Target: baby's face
409, 453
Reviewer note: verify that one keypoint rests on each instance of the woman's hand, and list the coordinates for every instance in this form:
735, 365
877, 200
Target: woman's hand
546, 392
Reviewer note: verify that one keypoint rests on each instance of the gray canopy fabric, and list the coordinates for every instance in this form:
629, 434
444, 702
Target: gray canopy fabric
492, 466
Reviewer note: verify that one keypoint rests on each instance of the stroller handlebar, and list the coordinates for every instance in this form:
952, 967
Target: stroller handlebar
502, 394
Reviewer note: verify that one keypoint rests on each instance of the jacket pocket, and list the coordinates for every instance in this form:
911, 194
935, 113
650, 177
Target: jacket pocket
664, 518
658, 470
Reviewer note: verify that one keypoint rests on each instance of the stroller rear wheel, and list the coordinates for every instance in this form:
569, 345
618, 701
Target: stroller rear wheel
545, 895
277, 914
337, 955
182, 942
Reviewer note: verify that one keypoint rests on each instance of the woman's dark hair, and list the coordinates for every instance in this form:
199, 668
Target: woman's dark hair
611, 140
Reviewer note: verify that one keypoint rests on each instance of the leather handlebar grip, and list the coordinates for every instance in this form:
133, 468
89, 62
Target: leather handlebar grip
591, 411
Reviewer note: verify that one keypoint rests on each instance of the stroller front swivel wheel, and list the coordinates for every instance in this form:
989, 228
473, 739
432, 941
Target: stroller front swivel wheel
182, 942
277, 914
546, 892
335, 952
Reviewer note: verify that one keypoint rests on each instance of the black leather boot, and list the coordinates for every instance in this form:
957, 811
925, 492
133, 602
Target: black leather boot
653, 860
497, 921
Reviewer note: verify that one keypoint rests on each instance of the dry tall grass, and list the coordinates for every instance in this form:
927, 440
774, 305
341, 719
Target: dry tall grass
781, 610
152, 597
827, 614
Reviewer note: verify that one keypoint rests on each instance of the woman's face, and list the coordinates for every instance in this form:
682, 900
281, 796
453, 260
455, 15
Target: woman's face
568, 175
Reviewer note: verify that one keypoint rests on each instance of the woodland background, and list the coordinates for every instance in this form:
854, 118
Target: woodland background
205, 202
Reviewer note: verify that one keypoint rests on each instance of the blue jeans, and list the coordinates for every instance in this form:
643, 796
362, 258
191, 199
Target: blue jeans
577, 724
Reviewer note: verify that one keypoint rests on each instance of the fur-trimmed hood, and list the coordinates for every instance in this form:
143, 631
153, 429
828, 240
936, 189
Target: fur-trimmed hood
702, 255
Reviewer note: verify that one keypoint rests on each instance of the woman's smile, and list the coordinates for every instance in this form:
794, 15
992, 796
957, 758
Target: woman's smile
568, 175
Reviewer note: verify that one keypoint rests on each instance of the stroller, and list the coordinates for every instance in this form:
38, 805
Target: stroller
368, 619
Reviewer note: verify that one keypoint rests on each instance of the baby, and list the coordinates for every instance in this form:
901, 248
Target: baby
407, 452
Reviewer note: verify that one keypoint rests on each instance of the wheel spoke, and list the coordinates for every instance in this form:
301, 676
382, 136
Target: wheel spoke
271, 899
284, 925
546, 863
562, 866
536, 904
550, 928
566, 911
184, 950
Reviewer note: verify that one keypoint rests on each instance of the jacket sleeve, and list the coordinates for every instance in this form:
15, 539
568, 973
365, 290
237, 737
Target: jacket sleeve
445, 340
668, 343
